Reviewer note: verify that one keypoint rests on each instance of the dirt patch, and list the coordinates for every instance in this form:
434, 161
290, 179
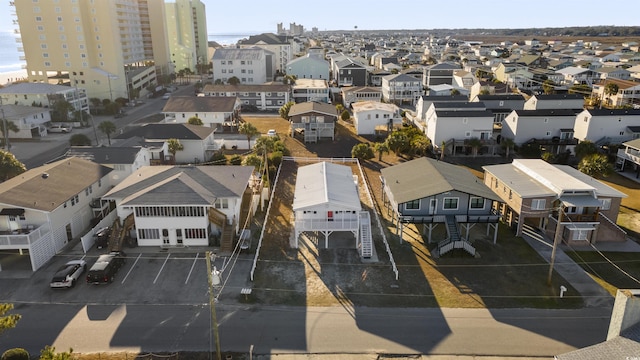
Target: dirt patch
507, 274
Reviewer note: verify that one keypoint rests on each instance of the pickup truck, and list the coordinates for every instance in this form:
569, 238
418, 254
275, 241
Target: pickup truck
60, 128
105, 268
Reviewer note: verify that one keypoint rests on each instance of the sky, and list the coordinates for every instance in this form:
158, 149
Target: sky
256, 16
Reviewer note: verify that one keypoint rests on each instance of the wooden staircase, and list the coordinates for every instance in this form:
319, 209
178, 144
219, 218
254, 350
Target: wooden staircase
366, 240
119, 232
227, 235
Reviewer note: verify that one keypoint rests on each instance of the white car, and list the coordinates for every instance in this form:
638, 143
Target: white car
271, 133
166, 96
60, 128
68, 274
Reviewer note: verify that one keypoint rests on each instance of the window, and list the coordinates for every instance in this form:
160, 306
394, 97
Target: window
538, 204
195, 233
148, 234
221, 204
476, 203
412, 205
605, 204
450, 204
465, 120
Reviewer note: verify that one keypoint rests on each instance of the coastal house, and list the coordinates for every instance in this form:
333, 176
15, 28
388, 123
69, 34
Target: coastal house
220, 113
401, 89
456, 123
604, 126
313, 121
44, 208
31, 121
174, 206
304, 90
373, 117
354, 94
261, 97
123, 160
326, 200
549, 128
310, 66
250, 66
451, 196
555, 101
556, 199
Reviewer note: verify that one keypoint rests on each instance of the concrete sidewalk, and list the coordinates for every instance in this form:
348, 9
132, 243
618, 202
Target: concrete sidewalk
593, 294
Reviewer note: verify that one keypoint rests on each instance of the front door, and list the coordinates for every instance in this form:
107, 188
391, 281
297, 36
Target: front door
433, 205
165, 237
179, 236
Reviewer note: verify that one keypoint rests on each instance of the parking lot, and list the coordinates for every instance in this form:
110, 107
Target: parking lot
149, 276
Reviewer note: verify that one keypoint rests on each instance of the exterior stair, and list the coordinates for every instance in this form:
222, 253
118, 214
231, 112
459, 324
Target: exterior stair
366, 240
454, 241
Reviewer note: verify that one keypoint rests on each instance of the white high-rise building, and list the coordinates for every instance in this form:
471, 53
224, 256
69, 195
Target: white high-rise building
187, 34
111, 48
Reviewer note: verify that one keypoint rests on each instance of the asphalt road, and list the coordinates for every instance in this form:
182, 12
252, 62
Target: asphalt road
53, 146
285, 330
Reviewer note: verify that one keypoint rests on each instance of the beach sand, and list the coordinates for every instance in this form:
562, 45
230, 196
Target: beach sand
12, 76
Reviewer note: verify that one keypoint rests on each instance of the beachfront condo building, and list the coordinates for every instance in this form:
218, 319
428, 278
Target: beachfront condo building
187, 34
112, 48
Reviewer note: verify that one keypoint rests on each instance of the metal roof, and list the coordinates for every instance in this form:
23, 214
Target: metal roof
424, 177
325, 183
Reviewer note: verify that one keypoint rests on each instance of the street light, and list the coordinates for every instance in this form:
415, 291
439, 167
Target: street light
213, 277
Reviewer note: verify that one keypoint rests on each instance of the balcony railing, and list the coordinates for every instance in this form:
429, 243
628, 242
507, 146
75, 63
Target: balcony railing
629, 156
325, 224
10, 239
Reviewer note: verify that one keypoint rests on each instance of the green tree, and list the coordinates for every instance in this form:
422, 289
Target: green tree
284, 110
507, 144
218, 158
362, 151
275, 159
264, 143
455, 92
7, 321
595, 165
235, 160
420, 145
580, 89
49, 353
380, 147
60, 110
475, 144
398, 142
289, 79
610, 89
107, 128
174, 146
194, 120
345, 115
249, 130
79, 140
11, 126
443, 146
585, 148
548, 86
339, 108
252, 160
233, 80
15, 354
548, 157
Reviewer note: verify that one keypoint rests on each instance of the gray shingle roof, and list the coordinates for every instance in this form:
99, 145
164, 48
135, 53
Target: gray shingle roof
424, 177
182, 185
33, 88
105, 155
240, 54
65, 178
305, 107
168, 131
220, 104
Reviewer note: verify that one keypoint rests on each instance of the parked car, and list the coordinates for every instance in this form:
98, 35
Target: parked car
106, 267
60, 128
67, 275
101, 237
166, 96
272, 133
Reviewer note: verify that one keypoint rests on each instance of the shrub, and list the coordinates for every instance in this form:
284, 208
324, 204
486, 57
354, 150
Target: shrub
16, 354
235, 160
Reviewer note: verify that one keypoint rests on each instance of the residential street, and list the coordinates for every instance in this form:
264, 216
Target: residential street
286, 330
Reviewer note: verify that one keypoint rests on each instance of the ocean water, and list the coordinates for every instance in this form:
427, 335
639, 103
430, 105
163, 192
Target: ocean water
230, 39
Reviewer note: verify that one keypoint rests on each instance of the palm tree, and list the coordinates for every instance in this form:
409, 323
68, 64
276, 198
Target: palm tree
442, 148
108, 128
11, 126
475, 144
380, 147
609, 90
507, 144
174, 146
249, 130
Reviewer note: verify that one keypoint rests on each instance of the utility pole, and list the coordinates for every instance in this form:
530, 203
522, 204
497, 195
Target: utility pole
556, 240
213, 280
